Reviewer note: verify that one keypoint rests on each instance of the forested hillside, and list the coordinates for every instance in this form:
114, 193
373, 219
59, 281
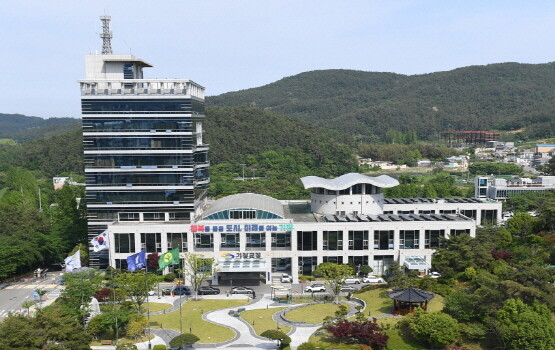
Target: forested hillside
24, 128
505, 96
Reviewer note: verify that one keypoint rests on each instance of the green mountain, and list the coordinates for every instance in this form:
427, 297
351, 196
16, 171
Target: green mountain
505, 96
23, 128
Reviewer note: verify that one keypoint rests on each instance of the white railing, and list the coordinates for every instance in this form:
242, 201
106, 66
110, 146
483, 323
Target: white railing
129, 87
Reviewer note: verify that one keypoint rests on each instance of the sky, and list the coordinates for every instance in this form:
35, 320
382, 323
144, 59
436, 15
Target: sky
228, 45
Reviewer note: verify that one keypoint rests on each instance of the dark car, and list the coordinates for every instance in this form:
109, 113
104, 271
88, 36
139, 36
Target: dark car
241, 290
208, 290
181, 290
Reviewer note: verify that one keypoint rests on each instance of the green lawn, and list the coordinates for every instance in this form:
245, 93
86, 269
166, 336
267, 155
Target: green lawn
261, 320
312, 313
153, 307
377, 302
208, 332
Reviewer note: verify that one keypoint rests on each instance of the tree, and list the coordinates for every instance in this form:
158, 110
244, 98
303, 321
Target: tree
27, 304
524, 326
366, 332
79, 288
365, 270
48, 330
334, 275
397, 277
435, 328
272, 334
306, 346
185, 339
126, 347
137, 286
197, 269
461, 305
523, 224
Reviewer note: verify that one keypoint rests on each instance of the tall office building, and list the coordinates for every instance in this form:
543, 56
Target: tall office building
144, 150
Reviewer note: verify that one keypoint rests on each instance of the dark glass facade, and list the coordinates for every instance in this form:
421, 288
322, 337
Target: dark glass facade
142, 155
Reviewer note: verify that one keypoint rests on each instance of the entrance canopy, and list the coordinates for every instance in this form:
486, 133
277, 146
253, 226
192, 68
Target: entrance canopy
416, 263
242, 265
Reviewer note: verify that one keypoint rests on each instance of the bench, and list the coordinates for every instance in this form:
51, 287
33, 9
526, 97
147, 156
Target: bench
105, 342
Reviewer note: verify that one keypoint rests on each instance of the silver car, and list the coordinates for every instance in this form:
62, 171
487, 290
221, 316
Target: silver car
241, 290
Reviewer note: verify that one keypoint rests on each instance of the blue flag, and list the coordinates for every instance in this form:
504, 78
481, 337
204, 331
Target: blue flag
136, 261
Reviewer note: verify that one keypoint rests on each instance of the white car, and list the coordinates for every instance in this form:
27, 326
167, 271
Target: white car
285, 278
373, 279
352, 280
317, 287
434, 274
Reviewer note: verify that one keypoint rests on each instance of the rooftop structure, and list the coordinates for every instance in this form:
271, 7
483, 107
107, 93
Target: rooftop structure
468, 137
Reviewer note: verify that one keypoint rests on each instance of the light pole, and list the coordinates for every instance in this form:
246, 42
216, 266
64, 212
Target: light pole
243, 165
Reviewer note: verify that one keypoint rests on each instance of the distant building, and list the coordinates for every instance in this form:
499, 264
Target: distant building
60, 181
501, 187
545, 148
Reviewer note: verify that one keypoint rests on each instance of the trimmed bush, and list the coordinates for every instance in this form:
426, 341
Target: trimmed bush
170, 277
307, 346
185, 339
159, 347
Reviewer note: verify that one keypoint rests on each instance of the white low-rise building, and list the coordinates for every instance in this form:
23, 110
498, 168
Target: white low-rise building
347, 220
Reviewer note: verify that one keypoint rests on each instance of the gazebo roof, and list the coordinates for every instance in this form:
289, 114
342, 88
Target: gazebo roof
411, 295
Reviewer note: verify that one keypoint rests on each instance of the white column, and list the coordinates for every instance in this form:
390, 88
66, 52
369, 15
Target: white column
217, 239
242, 241
421, 237
268, 236
295, 268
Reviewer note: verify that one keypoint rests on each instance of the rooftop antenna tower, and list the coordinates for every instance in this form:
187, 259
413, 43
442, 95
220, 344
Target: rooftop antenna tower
106, 35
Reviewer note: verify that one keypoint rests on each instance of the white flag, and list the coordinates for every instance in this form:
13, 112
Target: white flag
101, 242
73, 262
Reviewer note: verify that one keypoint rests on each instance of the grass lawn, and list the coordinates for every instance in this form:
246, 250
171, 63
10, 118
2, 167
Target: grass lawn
377, 301
263, 320
153, 307
322, 342
208, 332
312, 313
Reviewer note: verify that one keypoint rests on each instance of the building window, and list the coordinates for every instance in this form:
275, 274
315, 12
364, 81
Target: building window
256, 240
405, 212
242, 214
432, 238
426, 212
357, 261
124, 242
358, 240
121, 264
229, 240
409, 239
469, 213
383, 240
489, 217
307, 240
151, 242
179, 216
307, 264
281, 240
459, 232
154, 216
204, 241
177, 240
333, 259
448, 212
128, 216
332, 240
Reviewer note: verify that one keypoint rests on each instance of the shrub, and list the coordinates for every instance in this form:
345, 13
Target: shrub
159, 347
367, 332
126, 347
436, 328
170, 277
103, 294
185, 339
307, 346
273, 334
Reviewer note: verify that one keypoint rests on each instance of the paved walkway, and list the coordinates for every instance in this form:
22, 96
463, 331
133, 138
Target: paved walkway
141, 346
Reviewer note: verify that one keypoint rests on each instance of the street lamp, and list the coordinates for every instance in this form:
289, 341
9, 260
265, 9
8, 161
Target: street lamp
243, 165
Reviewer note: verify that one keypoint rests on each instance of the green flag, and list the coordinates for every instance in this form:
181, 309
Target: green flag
169, 258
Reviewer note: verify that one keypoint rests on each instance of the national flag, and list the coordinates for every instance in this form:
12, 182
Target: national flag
136, 261
73, 261
101, 242
169, 258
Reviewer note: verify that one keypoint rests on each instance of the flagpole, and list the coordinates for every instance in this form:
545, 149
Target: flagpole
147, 307
180, 295
113, 289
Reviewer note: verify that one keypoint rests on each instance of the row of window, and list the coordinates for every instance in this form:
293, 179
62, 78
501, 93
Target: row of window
146, 142
137, 161
356, 189
141, 106
306, 240
167, 196
137, 124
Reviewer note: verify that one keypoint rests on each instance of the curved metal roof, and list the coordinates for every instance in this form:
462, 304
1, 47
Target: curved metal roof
246, 201
348, 180
411, 295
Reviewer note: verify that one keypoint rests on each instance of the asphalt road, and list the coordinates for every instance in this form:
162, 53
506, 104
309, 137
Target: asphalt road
14, 294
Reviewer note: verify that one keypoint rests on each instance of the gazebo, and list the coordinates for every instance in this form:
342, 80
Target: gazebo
406, 300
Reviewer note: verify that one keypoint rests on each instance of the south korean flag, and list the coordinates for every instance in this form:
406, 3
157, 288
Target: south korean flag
101, 242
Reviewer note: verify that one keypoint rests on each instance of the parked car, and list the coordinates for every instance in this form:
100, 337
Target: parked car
241, 290
181, 290
285, 278
348, 289
434, 274
352, 280
373, 279
208, 290
316, 287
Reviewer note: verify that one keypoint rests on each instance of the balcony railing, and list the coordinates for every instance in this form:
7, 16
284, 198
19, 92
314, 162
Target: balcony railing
127, 87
